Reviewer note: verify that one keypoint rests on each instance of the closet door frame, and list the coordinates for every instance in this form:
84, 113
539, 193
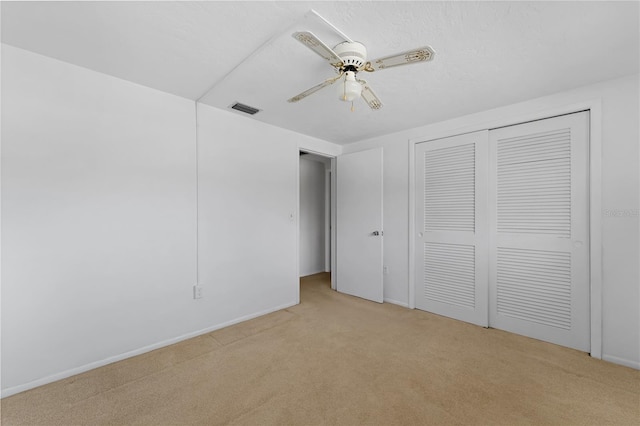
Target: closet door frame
521, 115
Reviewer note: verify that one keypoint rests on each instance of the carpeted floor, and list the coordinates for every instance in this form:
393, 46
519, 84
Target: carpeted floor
340, 360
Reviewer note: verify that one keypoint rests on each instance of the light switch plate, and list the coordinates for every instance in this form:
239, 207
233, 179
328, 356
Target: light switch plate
197, 292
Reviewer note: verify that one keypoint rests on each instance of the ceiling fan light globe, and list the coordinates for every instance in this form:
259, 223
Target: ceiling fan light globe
349, 89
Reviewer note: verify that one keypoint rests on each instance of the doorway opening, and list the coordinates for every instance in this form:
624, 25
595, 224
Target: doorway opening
315, 233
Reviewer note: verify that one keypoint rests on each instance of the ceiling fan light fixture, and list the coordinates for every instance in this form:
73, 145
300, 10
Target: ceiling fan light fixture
349, 89
348, 59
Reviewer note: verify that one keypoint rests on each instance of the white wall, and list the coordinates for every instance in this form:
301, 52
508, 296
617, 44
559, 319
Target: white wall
99, 223
247, 214
98, 216
312, 216
620, 195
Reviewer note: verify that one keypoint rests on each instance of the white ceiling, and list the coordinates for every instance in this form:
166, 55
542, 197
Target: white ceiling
489, 54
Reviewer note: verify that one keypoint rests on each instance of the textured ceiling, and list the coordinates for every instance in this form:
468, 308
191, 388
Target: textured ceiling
489, 54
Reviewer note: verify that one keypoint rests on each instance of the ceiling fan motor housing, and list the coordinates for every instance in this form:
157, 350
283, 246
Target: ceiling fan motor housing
353, 54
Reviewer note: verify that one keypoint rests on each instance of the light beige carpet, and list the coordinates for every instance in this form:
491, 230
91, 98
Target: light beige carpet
336, 359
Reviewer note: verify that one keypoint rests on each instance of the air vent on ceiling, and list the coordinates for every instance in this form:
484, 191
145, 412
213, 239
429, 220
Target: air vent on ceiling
244, 108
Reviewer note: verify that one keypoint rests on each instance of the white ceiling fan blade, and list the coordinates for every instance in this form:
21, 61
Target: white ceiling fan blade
422, 54
312, 42
370, 97
314, 89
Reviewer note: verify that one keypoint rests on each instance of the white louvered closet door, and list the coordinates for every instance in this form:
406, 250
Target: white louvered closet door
451, 227
538, 257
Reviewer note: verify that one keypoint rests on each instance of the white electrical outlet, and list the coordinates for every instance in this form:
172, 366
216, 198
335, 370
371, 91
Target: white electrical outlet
197, 292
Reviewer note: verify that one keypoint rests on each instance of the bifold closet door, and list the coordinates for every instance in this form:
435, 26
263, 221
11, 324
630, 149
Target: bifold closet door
451, 243
539, 248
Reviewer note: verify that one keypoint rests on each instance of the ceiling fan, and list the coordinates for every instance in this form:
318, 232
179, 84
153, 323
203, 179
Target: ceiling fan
350, 57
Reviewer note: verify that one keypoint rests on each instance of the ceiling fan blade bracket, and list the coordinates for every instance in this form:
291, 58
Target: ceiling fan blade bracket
367, 67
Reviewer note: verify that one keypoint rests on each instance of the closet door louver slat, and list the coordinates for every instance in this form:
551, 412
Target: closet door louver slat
525, 195
449, 188
449, 273
523, 286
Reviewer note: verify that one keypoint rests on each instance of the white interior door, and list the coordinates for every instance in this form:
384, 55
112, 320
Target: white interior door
359, 224
538, 270
451, 243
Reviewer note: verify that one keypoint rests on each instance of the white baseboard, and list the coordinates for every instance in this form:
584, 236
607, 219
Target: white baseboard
621, 361
396, 302
77, 370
